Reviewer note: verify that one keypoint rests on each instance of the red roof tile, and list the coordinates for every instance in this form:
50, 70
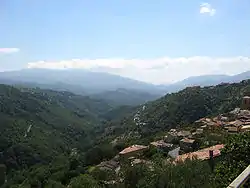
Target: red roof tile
201, 154
133, 148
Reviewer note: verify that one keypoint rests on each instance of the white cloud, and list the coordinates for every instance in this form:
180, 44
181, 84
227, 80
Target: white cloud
9, 50
206, 8
161, 70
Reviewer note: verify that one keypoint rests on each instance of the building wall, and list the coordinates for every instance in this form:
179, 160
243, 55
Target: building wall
246, 103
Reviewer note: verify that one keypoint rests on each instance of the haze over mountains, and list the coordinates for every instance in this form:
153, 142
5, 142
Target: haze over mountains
113, 88
207, 80
91, 82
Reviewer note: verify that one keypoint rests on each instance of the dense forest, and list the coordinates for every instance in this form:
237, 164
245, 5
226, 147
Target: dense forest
40, 126
53, 139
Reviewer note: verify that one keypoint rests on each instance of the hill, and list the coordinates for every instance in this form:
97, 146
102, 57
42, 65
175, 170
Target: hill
70, 79
207, 80
37, 126
50, 137
182, 108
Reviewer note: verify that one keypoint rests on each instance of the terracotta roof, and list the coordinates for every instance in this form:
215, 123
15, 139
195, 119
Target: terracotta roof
133, 148
236, 123
201, 154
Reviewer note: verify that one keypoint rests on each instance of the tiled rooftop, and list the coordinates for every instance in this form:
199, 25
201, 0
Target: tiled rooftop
133, 148
236, 123
201, 154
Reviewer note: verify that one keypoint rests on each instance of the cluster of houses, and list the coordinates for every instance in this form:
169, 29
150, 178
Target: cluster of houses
181, 145
235, 121
178, 145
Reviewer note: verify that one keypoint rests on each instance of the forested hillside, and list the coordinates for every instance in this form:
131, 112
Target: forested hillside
50, 138
182, 108
38, 126
126, 97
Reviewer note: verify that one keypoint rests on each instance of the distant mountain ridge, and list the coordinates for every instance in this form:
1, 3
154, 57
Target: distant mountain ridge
107, 86
87, 81
207, 80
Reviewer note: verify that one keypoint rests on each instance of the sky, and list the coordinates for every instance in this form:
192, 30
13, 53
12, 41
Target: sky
160, 41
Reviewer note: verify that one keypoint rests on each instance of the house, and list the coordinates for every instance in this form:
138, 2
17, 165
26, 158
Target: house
245, 128
134, 150
161, 145
203, 154
234, 126
204, 126
108, 165
208, 120
233, 129
174, 153
199, 131
187, 144
246, 103
243, 112
170, 137
244, 118
211, 124
224, 118
182, 134
246, 122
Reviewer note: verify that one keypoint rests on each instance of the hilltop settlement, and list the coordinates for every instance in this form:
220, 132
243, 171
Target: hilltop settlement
190, 143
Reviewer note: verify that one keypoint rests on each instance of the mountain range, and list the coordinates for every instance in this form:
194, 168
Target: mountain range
207, 80
112, 88
49, 138
86, 81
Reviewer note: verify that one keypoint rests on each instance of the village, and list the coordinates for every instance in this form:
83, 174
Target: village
179, 145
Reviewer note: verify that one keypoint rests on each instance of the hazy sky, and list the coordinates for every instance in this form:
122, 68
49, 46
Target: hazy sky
157, 41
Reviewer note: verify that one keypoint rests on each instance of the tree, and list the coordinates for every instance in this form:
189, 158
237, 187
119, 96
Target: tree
161, 174
54, 184
235, 158
2, 174
84, 181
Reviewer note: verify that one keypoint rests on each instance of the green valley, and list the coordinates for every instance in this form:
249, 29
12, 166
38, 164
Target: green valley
60, 139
